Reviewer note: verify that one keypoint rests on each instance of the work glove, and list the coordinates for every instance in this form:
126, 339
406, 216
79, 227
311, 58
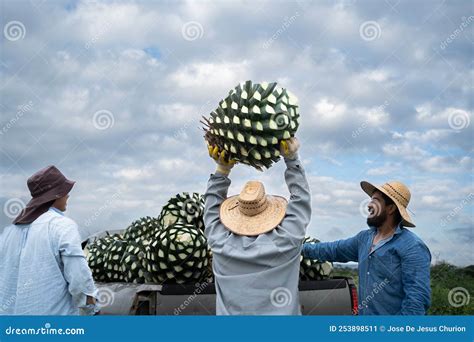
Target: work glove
224, 163
289, 148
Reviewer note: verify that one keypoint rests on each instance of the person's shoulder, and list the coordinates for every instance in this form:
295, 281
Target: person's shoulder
411, 240
409, 236
364, 233
61, 222
66, 221
7, 228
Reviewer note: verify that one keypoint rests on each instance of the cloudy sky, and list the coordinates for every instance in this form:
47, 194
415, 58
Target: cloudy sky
112, 92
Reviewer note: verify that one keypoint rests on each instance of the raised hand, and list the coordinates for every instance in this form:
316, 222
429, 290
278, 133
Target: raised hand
289, 148
224, 163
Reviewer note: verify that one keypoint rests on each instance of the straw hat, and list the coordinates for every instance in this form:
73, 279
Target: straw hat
399, 194
252, 212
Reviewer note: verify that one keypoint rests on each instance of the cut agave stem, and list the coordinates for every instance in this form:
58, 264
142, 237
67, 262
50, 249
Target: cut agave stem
251, 122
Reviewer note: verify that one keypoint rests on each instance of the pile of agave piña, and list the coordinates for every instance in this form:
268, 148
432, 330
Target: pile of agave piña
169, 249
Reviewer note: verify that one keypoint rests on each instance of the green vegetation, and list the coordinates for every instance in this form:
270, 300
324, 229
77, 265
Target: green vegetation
460, 281
451, 288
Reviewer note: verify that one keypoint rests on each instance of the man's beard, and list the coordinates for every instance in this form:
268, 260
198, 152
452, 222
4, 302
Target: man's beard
377, 221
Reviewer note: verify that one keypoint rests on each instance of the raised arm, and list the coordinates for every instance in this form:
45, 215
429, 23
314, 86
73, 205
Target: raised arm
216, 193
298, 211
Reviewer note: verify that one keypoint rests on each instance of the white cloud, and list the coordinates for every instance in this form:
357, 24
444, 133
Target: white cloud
404, 151
386, 169
431, 200
132, 174
210, 76
430, 136
377, 75
425, 114
332, 114
415, 156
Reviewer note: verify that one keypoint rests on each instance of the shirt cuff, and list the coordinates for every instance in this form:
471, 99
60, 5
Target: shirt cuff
218, 174
89, 309
293, 162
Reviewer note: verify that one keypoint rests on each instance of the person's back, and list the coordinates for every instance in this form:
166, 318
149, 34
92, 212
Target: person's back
256, 258
43, 270
32, 266
257, 275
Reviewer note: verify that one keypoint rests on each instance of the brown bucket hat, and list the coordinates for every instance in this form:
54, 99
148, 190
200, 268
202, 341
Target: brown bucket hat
252, 212
398, 193
45, 186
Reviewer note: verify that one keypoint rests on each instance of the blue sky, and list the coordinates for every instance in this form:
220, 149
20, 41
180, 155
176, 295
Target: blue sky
112, 92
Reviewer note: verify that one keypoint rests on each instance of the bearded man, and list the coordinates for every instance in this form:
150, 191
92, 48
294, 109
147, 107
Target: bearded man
394, 263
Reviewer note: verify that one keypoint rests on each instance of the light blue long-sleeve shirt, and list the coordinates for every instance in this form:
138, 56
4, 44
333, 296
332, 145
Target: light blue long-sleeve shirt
394, 278
258, 275
43, 270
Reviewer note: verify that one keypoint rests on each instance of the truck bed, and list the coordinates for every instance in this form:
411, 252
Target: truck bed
334, 296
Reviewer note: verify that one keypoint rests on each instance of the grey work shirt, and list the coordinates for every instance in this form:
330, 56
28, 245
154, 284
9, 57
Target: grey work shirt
258, 275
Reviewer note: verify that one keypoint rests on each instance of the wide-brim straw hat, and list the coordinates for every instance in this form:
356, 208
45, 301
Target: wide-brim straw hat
252, 212
398, 193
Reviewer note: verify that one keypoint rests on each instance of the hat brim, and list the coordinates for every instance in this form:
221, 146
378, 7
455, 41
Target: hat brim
369, 189
262, 223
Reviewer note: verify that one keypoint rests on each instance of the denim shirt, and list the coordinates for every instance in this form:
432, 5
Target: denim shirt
258, 275
394, 278
43, 270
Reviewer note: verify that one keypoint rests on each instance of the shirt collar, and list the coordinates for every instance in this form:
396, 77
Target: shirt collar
398, 230
57, 210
